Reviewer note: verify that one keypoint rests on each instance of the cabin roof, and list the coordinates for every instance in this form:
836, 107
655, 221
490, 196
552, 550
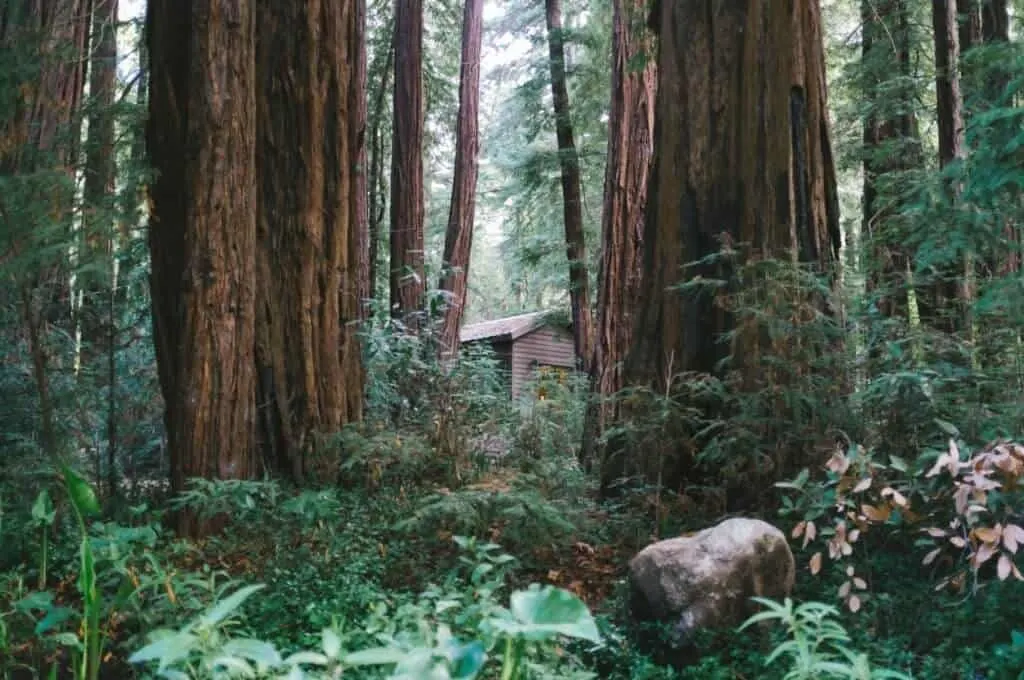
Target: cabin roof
508, 328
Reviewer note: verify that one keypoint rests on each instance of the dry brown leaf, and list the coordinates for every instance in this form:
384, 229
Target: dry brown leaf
815, 562
930, 557
862, 485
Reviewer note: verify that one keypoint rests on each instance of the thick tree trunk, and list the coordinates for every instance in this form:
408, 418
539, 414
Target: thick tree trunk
39, 131
891, 144
630, 148
742, 156
407, 193
572, 202
309, 119
202, 234
458, 240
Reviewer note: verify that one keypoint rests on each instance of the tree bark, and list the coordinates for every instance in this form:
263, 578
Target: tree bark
630, 148
742, 156
407, 191
39, 136
310, 224
202, 235
572, 202
458, 240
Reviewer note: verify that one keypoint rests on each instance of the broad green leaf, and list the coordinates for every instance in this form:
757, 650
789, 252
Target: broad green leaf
551, 611
331, 643
467, 660
375, 656
54, 617
82, 495
42, 509
308, 658
228, 605
263, 653
167, 650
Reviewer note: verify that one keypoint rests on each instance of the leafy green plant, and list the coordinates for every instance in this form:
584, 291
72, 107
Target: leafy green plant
89, 652
205, 648
818, 645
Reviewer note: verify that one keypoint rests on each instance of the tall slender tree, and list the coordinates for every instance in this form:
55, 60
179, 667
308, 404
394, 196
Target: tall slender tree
938, 301
891, 144
458, 241
407, 191
572, 201
310, 115
202, 234
377, 181
742, 156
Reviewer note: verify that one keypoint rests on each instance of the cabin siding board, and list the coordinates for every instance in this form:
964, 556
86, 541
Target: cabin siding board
545, 346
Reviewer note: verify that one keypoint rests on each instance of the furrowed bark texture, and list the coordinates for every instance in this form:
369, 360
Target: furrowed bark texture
742, 155
309, 241
630, 148
458, 240
407, 197
38, 134
572, 202
202, 234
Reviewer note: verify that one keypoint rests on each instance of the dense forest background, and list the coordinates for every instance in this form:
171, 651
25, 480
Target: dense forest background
238, 240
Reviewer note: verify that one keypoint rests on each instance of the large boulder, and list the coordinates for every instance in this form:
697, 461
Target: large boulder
706, 580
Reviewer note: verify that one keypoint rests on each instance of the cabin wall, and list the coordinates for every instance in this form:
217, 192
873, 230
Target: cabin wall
545, 346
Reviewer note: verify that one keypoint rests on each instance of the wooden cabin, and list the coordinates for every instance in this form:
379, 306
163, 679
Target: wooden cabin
530, 346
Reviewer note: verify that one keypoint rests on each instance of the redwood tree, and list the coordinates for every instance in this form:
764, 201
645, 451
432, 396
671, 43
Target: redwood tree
202, 234
407, 192
572, 203
44, 44
742, 156
458, 240
310, 229
630, 147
